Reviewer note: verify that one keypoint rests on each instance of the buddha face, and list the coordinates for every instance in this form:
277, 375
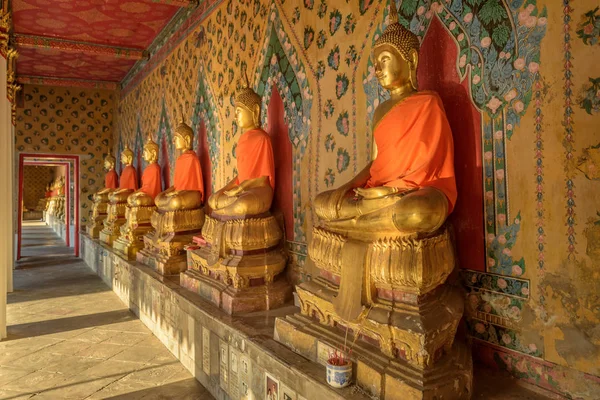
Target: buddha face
181, 143
391, 69
108, 165
126, 159
245, 118
150, 155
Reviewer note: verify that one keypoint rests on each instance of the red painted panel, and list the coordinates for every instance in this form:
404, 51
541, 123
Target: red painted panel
127, 23
437, 71
66, 64
204, 156
282, 149
163, 161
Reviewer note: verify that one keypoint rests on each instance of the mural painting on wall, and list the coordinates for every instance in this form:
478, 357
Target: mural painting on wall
316, 54
57, 120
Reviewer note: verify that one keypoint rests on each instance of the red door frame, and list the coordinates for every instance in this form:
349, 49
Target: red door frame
53, 160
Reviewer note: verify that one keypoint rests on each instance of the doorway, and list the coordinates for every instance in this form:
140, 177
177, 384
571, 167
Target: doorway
61, 229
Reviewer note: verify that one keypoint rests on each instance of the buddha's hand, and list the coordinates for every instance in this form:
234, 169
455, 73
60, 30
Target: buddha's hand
235, 192
375, 192
328, 204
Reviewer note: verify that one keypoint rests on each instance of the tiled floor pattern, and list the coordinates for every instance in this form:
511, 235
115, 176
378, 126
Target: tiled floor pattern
70, 337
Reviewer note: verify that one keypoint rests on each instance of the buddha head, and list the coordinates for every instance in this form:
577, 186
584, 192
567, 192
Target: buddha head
183, 136
109, 162
127, 156
396, 54
247, 107
150, 151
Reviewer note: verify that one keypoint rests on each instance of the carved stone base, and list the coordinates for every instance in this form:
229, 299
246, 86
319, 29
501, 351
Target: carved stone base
99, 213
237, 301
133, 231
237, 264
164, 247
379, 375
96, 226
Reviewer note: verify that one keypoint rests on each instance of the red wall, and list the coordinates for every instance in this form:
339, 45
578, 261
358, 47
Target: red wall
204, 156
282, 149
437, 71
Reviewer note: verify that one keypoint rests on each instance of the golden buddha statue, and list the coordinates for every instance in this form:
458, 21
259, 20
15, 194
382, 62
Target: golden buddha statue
237, 260
384, 251
179, 214
52, 200
100, 207
117, 200
60, 200
140, 205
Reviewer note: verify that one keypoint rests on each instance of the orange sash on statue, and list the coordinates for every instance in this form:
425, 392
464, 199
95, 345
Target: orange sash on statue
188, 173
128, 178
415, 147
255, 157
151, 184
111, 179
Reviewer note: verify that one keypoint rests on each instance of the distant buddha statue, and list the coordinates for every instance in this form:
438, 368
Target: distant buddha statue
241, 243
117, 200
383, 249
140, 205
180, 214
60, 200
99, 209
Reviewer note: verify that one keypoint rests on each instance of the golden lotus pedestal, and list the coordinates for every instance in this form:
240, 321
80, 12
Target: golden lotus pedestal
164, 246
116, 217
99, 214
132, 232
403, 341
237, 264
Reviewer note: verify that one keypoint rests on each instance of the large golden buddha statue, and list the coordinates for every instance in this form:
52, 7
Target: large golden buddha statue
179, 214
383, 249
140, 205
117, 200
60, 200
236, 262
100, 207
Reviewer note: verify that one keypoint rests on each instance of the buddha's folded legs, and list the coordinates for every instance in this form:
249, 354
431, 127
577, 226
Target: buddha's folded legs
253, 201
421, 211
179, 200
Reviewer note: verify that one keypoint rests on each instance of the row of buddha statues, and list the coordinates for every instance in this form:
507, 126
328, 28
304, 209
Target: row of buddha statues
382, 247
54, 200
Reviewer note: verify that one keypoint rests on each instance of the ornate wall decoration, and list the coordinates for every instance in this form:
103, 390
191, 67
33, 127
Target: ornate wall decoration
588, 29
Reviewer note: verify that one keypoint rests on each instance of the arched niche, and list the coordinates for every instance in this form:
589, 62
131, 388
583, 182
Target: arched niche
202, 150
283, 199
437, 71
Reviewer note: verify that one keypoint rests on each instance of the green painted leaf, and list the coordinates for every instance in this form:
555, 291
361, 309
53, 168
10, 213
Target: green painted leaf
492, 12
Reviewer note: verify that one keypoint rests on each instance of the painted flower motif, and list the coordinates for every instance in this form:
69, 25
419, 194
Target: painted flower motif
507, 252
491, 262
343, 160
519, 64
296, 16
341, 85
309, 37
333, 59
452, 25
533, 67
485, 42
493, 104
489, 195
335, 21
501, 283
498, 135
321, 39
420, 10
329, 142
506, 339
525, 291
519, 106
460, 37
320, 69
487, 156
487, 308
517, 270
351, 55
532, 347
350, 24
502, 239
468, 18
329, 177
510, 95
329, 108
343, 124
309, 4
476, 79
491, 237
322, 9
501, 218
462, 61
479, 328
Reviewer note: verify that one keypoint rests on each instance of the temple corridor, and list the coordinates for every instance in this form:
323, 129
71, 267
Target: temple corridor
69, 336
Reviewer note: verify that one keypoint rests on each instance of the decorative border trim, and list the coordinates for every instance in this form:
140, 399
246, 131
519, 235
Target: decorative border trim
42, 80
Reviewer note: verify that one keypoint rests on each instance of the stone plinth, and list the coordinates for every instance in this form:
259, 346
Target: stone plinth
137, 225
114, 221
237, 264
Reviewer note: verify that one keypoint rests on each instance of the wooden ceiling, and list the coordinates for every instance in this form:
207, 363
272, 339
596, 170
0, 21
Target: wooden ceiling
86, 42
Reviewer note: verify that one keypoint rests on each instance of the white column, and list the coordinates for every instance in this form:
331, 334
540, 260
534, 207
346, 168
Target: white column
6, 231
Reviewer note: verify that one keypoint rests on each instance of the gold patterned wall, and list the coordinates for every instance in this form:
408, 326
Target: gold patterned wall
532, 305
35, 179
68, 121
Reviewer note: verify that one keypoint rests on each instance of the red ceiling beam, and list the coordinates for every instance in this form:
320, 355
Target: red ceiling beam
178, 3
43, 80
41, 42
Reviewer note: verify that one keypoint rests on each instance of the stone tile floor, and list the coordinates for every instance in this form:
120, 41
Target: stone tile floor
70, 337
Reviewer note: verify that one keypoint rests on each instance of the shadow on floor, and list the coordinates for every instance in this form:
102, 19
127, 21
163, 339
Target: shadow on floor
59, 325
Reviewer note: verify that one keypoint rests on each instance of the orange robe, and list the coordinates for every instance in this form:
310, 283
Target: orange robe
48, 194
128, 179
111, 179
415, 147
151, 184
255, 157
188, 173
